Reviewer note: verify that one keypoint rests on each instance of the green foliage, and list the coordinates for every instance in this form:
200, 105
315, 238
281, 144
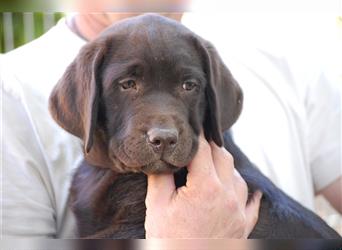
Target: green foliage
18, 26
2, 42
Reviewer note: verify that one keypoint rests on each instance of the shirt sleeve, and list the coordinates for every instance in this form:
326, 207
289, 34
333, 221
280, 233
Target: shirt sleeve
323, 105
28, 207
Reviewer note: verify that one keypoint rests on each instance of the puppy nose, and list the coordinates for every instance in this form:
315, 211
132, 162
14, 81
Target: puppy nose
162, 138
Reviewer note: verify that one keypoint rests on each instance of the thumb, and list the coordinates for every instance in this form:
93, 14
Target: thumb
252, 212
201, 166
160, 189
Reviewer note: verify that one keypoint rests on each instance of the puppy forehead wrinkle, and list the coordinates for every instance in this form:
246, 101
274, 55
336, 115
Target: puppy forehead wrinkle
120, 68
192, 70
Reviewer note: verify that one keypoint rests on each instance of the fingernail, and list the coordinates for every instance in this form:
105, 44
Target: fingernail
214, 145
202, 141
258, 194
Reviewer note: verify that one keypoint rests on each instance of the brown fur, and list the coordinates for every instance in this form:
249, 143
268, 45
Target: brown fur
116, 123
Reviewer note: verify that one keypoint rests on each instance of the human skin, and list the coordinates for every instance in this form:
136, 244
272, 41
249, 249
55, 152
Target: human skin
333, 194
90, 25
212, 204
94, 16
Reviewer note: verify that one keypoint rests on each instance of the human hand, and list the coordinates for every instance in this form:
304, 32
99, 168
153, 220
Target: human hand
213, 204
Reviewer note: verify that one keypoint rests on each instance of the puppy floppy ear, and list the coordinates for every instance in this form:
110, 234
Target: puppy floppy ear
223, 94
74, 102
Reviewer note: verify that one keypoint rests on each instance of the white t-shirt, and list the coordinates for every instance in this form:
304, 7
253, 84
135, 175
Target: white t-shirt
38, 157
289, 127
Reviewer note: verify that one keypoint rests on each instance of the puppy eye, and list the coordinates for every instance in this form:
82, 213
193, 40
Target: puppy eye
128, 84
189, 85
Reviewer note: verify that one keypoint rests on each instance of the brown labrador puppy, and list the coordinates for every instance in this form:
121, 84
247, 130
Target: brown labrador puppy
138, 96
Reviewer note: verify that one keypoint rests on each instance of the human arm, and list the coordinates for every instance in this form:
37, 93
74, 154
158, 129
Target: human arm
333, 193
27, 207
36, 163
324, 113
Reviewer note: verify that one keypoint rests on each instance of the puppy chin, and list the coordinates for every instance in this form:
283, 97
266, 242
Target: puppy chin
159, 167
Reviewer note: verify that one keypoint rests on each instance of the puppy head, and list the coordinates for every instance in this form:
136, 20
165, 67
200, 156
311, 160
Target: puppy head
139, 95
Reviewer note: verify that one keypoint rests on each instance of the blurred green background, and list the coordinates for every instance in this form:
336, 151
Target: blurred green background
18, 28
